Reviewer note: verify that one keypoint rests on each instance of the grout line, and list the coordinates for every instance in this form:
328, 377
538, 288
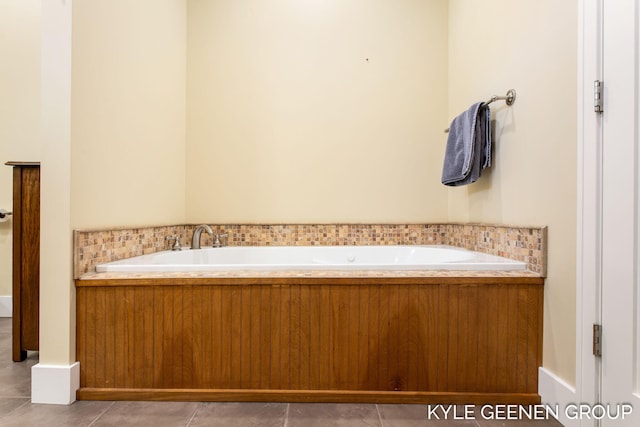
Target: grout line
286, 416
101, 414
27, 402
379, 416
195, 413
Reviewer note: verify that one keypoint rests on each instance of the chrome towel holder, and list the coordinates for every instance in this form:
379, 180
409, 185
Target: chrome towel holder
509, 99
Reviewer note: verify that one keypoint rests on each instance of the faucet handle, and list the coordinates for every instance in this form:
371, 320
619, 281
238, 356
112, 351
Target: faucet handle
176, 243
217, 243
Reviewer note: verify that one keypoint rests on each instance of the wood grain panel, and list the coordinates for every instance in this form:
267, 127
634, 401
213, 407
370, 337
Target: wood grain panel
465, 339
25, 258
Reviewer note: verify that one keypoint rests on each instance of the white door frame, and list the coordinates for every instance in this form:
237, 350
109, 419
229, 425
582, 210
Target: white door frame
607, 189
589, 198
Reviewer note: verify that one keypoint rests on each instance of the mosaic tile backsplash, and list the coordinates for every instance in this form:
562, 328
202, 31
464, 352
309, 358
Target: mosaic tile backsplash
528, 244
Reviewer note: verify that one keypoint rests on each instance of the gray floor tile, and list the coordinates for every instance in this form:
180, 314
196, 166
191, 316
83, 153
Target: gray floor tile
16, 409
8, 405
156, 414
5, 325
332, 414
403, 415
250, 414
15, 383
79, 414
423, 416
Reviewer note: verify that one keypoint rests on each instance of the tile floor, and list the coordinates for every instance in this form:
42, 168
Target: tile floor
17, 410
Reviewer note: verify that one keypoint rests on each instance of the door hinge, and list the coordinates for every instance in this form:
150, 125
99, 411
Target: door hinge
597, 340
597, 96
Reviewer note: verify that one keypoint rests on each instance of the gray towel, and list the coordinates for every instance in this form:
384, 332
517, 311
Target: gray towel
468, 149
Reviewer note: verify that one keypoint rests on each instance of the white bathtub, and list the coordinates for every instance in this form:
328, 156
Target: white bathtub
313, 258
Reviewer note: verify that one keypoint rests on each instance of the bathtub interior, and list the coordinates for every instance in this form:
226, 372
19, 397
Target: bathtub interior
274, 258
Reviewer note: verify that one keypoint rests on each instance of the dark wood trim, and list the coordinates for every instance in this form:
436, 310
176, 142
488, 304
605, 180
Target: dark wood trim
298, 396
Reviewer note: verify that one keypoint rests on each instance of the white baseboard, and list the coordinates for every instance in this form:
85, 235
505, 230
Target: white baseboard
555, 391
55, 384
6, 306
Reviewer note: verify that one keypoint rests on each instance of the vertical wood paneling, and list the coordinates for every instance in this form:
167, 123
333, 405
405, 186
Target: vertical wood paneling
276, 343
441, 366
383, 338
304, 354
168, 358
413, 335
285, 338
177, 338
244, 335
147, 346
534, 348
453, 338
373, 350
316, 345
235, 337
294, 337
392, 381
326, 332
483, 338
190, 317
158, 337
503, 342
118, 304
362, 376
492, 335
342, 328
199, 331
473, 334
522, 369
265, 337
110, 333
512, 337
255, 340
423, 328
226, 337
129, 338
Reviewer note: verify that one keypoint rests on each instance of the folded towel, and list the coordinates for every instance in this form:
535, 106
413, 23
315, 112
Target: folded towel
468, 149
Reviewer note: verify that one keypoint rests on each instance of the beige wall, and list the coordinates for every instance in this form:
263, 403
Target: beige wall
19, 106
530, 46
312, 111
113, 110
287, 121
128, 112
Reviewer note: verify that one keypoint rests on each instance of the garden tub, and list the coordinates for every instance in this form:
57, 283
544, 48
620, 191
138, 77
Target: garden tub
388, 257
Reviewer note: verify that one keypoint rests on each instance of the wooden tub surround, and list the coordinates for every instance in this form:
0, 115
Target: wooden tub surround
439, 338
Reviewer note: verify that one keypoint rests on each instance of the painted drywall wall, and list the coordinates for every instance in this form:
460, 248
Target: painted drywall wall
19, 108
532, 48
113, 108
57, 308
128, 113
286, 156
312, 112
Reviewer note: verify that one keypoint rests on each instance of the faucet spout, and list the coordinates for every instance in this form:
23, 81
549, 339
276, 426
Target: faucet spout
195, 240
